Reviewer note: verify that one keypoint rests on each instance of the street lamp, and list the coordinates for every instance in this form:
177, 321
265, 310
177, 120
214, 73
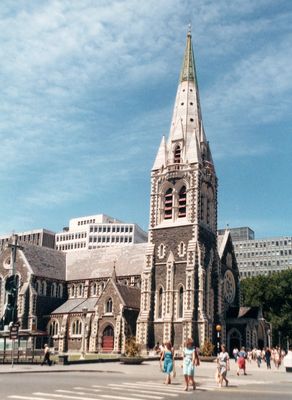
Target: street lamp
218, 330
84, 313
269, 338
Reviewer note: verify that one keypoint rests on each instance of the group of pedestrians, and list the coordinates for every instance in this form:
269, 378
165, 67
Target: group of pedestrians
267, 355
190, 361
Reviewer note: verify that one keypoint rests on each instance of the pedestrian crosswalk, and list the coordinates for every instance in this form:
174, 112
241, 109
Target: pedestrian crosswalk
139, 390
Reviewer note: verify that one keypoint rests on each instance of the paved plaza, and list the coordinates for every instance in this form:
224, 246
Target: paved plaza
116, 381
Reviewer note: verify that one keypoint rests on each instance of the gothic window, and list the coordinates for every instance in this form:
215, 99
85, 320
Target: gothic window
168, 199
76, 328
54, 328
44, 288
160, 303
109, 306
177, 155
38, 287
182, 202
53, 289
181, 302
60, 290
181, 249
94, 289
161, 250
101, 287
80, 290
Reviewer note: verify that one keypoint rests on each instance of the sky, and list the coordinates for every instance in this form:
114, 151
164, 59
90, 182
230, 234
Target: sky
88, 88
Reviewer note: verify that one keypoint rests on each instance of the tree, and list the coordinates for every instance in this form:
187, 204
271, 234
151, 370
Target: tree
273, 293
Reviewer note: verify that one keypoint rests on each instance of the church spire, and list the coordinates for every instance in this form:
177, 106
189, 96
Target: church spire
187, 137
188, 71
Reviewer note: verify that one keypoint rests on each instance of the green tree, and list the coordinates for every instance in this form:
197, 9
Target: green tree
273, 293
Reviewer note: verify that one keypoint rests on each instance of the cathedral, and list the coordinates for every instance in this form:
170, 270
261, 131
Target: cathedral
184, 282
181, 294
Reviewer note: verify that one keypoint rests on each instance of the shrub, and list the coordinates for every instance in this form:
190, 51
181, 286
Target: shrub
132, 349
207, 348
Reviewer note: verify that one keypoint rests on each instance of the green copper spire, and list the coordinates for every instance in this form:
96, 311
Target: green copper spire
188, 72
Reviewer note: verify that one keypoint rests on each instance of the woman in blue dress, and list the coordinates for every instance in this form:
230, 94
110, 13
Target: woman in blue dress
190, 359
167, 358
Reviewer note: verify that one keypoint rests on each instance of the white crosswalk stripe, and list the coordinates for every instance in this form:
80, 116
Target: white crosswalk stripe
140, 390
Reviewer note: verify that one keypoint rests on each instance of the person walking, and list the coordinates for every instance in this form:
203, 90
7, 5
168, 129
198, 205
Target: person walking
167, 358
223, 365
235, 353
268, 355
190, 360
258, 354
47, 354
241, 364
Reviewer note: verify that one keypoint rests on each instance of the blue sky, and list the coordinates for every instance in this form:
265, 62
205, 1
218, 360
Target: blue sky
87, 90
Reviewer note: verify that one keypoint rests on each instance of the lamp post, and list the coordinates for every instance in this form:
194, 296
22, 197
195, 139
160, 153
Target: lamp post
84, 313
269, 338
218, 330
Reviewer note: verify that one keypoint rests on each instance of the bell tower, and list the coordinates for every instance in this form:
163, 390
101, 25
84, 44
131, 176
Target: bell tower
180, 282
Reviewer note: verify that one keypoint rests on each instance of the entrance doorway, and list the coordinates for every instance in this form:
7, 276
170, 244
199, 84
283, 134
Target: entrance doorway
234, 340
108, 339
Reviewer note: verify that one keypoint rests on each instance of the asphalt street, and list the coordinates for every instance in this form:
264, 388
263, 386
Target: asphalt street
115, 381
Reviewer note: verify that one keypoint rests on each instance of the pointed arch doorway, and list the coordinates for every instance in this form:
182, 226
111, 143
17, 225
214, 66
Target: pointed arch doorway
108, 339
234, 340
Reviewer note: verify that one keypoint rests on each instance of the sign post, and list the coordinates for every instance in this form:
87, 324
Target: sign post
13, 336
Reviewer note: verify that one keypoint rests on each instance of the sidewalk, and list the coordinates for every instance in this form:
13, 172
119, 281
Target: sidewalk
205, 373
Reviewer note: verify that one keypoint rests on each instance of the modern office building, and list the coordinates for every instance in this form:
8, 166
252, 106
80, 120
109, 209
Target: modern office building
39, 237
242, 233
98, 231
261, 256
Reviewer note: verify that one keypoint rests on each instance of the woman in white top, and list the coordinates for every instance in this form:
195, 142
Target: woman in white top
223, 365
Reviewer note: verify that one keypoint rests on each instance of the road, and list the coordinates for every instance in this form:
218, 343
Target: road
145, 382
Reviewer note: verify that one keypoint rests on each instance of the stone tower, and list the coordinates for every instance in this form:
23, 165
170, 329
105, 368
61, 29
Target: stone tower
180, 293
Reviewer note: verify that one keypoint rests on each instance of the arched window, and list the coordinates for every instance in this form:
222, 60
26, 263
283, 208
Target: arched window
168, 204
181, 302
53, 290
181, 249
109, 306
94, 289
160, 303
76, 327
54, 328
73, 291
182, 202
177, 155
38, 287
60, 290
80, 290
44, 288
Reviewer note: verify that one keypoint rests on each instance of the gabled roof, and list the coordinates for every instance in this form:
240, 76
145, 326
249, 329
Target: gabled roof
44, 262
130, 295
93, 264
222, 241
76, 306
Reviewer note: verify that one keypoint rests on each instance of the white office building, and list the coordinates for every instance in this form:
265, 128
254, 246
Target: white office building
97, 231
39, 237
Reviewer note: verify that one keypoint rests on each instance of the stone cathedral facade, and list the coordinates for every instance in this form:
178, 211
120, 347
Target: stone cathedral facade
180, 284
181, 281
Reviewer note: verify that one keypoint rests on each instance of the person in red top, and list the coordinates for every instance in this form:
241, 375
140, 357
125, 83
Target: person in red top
241, 357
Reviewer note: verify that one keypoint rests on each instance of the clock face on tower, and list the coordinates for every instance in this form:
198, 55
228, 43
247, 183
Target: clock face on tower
229, 287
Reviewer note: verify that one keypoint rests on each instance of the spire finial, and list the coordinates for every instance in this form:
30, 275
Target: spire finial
114, 274
190, 29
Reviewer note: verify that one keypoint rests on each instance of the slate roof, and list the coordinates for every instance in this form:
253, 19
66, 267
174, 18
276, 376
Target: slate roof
76, 305
131, 296
91, 264
243, 312
45, 262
